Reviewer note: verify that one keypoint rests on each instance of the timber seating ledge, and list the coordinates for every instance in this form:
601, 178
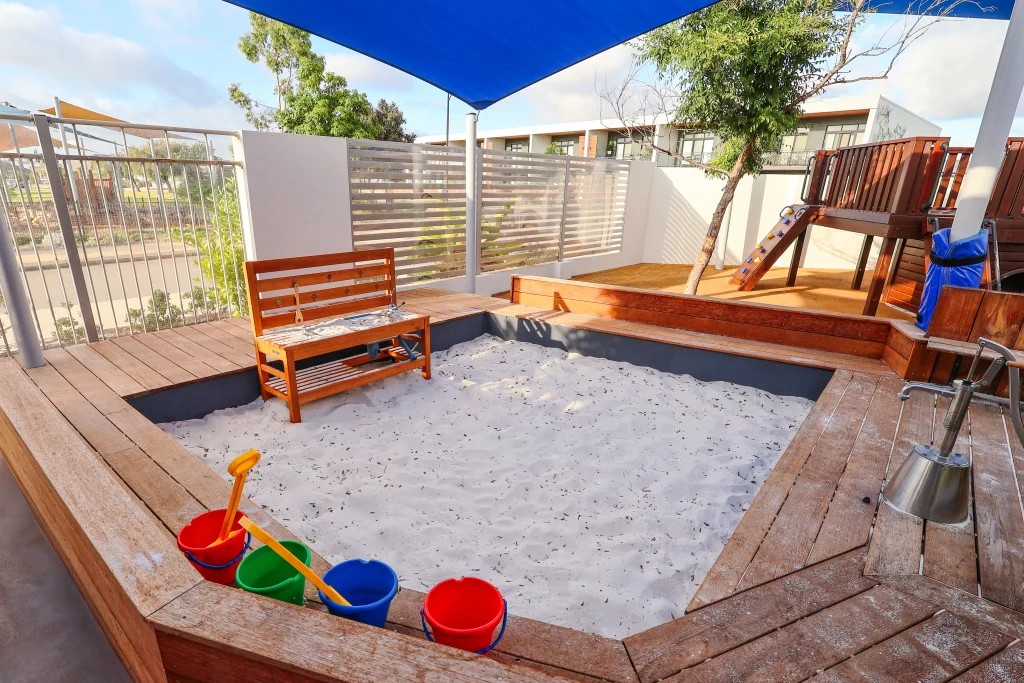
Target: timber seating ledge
892, 341
166, 623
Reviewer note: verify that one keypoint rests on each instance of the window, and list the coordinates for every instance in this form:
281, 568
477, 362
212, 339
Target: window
516, 145
696, 146
619, 147
795, 142
567, 147
844, 135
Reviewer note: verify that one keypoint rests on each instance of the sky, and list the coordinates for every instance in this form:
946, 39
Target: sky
171, 62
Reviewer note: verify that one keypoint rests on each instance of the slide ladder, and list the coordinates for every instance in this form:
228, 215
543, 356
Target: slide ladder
792, 224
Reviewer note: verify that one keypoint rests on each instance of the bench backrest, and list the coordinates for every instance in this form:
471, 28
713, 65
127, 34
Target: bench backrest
329, 285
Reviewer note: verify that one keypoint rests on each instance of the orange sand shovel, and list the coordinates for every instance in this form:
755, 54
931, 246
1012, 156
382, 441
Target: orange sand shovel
238, 469
266, 539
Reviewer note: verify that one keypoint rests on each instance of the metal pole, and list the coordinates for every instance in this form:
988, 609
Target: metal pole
472, 219
447, 121
983, 167
17, 303
565, 201
67, 230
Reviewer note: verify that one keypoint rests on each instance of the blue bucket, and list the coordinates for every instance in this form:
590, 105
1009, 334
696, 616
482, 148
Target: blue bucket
370, 585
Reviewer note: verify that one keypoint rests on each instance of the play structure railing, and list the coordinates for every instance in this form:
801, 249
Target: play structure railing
890, 177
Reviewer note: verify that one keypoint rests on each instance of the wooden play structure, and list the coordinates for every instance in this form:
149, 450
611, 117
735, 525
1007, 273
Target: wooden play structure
901, 191
287, 293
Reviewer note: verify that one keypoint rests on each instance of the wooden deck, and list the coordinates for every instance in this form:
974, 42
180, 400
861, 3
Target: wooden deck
818, 579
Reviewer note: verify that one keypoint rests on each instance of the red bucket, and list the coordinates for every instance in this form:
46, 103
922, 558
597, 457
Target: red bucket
463, 613
216, 563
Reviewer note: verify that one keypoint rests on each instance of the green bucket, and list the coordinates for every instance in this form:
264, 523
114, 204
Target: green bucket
264, 572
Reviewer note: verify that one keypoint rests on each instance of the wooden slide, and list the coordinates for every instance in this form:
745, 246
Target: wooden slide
791, 226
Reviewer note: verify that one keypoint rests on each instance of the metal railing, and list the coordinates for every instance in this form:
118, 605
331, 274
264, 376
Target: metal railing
120, 228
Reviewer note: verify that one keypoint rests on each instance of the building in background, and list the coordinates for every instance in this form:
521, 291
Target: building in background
826, 124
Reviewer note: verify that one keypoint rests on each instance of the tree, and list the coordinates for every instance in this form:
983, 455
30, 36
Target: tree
553, 148
742, 69
310, 99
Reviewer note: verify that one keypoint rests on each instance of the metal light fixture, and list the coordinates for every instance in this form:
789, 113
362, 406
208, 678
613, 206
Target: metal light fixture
934, 481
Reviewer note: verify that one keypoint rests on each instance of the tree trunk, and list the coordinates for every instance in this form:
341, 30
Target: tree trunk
704, 257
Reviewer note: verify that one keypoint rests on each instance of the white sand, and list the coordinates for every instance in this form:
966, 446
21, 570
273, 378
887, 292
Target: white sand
594, 494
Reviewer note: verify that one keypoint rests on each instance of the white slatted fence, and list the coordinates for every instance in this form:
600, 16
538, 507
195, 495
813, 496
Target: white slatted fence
413, 198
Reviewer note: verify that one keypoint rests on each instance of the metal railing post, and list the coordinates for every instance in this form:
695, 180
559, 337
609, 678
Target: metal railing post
29, 348
565, 201
67, 230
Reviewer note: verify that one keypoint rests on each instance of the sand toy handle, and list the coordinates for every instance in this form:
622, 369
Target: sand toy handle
266, 539
238, 469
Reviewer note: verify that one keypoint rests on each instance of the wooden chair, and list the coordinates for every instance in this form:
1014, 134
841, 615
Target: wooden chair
286, 295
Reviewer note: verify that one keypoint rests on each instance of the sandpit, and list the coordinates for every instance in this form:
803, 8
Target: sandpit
594, 494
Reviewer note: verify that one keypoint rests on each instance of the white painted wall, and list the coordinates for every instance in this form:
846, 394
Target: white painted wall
682, 201
890, 121
297, 195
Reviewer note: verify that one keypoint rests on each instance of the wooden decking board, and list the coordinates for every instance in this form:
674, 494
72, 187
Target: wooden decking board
108, 373
789, 540
237, 358
158, 343
94, 427
822, 640
895, 546
950, 554
147, 377
935, 650
167, 499
1003, 667
584, 653
105, 399
723, 626
848, 520
1000, 522
223, 336
173, 372
218, 364
960, 602
237, 331
732, 562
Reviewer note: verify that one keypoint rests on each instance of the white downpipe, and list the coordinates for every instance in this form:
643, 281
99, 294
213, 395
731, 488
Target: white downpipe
1003, 98
472, 220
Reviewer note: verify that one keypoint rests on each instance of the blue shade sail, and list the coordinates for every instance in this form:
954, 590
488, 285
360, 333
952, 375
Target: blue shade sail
482, 51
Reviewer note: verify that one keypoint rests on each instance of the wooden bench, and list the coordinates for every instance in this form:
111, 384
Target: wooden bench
357, 292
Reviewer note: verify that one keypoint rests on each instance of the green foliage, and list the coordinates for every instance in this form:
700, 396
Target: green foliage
553, 148
65, 325
221, 255
741, 68
310, 99
159, 314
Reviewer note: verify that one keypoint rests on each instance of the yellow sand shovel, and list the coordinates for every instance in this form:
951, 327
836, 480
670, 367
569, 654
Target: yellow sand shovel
266, 539
238, 469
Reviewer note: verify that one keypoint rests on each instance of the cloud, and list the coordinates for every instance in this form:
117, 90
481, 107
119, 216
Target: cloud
166, 14
366, 73
35, 40
571, 94
944, 76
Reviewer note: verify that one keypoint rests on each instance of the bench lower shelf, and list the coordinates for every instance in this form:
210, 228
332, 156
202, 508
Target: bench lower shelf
332, 377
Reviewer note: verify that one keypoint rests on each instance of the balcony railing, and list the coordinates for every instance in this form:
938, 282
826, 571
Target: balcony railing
789, 158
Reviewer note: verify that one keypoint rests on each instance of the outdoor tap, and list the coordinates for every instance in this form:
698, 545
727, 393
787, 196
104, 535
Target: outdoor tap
926, 387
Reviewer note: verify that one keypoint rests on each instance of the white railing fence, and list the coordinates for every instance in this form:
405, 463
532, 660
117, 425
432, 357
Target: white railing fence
413, 198
533, 208
120, 228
